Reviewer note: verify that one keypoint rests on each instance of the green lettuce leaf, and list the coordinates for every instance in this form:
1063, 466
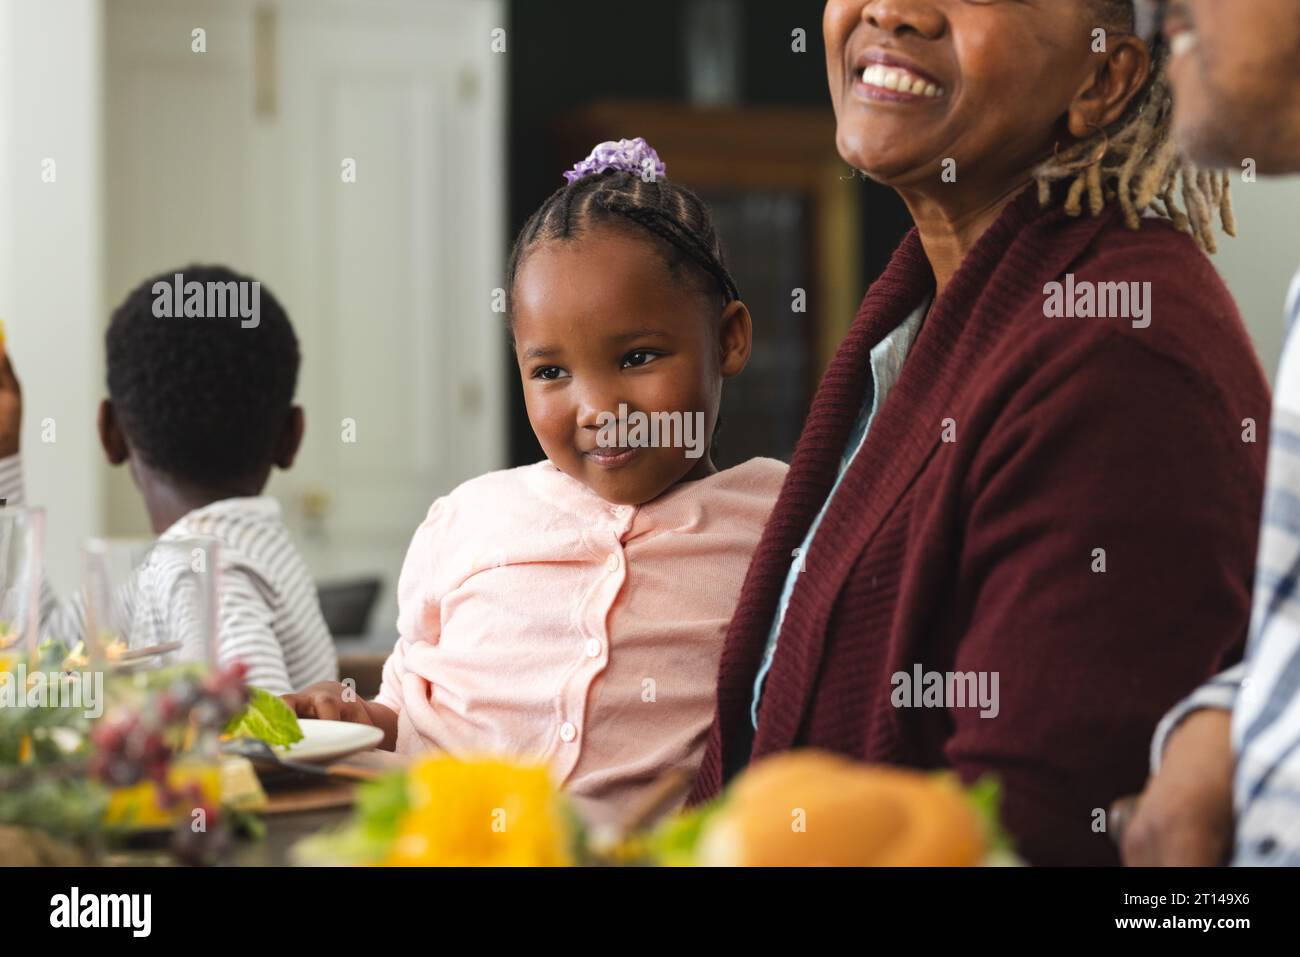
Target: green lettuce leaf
267, 718
985, 796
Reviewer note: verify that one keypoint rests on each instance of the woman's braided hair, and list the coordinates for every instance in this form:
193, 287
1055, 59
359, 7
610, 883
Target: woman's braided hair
1137, 160
657, 208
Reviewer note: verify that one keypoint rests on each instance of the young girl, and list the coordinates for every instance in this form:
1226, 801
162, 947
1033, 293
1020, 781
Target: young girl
572, 612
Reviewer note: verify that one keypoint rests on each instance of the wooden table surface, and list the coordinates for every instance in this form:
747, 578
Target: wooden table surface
283, 831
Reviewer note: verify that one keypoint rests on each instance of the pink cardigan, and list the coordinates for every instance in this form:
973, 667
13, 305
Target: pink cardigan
541, 622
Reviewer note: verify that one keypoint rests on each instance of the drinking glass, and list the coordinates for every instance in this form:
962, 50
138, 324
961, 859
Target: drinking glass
22, 543
151, 602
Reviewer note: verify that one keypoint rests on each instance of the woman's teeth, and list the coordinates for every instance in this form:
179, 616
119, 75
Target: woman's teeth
899, 81
1184, 42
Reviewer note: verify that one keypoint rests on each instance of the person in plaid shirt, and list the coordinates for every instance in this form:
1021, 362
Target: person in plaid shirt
1226, 760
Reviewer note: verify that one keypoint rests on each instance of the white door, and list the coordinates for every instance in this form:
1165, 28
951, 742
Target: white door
348, 153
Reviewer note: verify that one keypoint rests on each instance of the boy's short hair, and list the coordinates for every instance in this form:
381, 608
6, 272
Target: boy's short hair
203, 400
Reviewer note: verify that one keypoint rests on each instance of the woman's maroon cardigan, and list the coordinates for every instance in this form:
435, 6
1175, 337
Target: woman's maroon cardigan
1073, 444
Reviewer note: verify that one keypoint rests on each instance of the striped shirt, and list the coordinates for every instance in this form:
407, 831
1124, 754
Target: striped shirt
1263, 692
268, 616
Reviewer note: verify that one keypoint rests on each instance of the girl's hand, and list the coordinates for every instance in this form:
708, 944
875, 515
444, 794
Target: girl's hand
335, 701
11, 405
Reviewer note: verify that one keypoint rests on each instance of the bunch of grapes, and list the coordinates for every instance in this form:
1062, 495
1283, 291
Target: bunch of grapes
129, 749
134, 746
223, 694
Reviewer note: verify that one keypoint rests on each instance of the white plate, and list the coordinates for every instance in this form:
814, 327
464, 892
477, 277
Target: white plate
330, 740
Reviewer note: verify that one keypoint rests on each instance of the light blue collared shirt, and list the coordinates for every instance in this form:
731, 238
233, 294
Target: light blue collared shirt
886, 365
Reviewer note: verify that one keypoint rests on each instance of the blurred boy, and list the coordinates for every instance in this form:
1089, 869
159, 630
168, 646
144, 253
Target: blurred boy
200, 408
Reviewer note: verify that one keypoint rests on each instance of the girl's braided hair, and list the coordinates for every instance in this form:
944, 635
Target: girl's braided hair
669, 214
1136, 160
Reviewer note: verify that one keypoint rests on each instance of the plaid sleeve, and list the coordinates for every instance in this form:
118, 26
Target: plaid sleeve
1219, 692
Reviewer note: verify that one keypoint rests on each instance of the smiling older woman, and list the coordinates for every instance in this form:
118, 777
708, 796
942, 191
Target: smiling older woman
1023, 510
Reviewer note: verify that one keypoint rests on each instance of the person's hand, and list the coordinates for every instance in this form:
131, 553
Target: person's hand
335, 701
329, 701
11, 405
1184, 817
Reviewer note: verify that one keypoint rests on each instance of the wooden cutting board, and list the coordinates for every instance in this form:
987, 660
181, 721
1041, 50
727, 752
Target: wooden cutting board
365, 765
314, 795
288, 795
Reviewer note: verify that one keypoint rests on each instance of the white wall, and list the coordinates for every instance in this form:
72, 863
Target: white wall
51, 240
1259, 265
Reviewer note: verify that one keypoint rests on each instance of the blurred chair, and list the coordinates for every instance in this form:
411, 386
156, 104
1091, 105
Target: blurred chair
366, 669
347, 605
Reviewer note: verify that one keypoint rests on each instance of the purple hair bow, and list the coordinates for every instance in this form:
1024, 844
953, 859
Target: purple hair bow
633, 156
